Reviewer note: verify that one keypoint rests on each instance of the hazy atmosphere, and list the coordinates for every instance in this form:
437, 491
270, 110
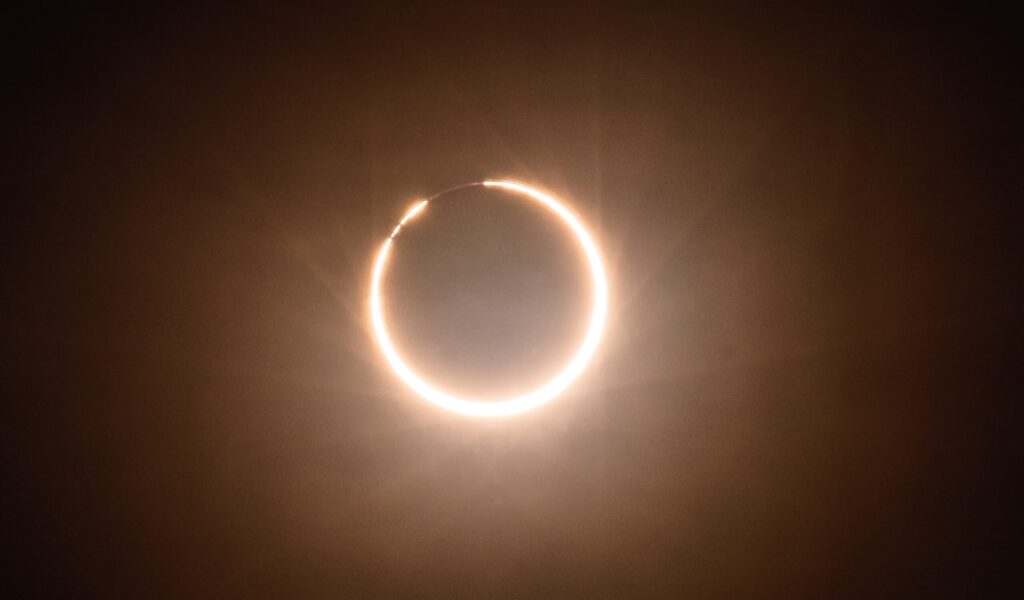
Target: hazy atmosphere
806, 387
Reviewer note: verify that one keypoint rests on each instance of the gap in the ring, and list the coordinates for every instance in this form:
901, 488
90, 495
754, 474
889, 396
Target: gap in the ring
487, 294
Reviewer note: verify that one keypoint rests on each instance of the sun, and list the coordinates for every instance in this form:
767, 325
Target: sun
498, 407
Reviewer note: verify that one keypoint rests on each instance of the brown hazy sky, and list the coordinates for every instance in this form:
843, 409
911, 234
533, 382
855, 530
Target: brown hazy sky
805, 390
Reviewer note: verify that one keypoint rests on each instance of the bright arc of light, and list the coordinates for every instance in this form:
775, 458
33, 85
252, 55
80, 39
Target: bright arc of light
517, 404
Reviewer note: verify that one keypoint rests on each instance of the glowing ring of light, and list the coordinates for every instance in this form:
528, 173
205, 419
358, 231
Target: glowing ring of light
529, 400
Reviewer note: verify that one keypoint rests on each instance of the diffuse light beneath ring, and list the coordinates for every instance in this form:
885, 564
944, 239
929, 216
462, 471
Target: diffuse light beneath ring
498, 407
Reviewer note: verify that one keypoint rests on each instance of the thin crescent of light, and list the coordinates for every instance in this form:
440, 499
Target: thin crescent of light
529, 400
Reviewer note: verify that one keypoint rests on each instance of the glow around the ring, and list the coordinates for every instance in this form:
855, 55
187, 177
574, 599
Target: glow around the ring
529, 400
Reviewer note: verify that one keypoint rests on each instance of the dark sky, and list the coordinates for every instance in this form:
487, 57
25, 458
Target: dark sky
807, 385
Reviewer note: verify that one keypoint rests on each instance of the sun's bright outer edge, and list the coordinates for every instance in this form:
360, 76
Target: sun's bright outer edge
516, 404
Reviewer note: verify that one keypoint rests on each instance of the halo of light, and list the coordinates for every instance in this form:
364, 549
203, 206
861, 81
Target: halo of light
524, 402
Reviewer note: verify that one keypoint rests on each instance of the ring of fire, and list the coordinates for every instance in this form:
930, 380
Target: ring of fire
523, 402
